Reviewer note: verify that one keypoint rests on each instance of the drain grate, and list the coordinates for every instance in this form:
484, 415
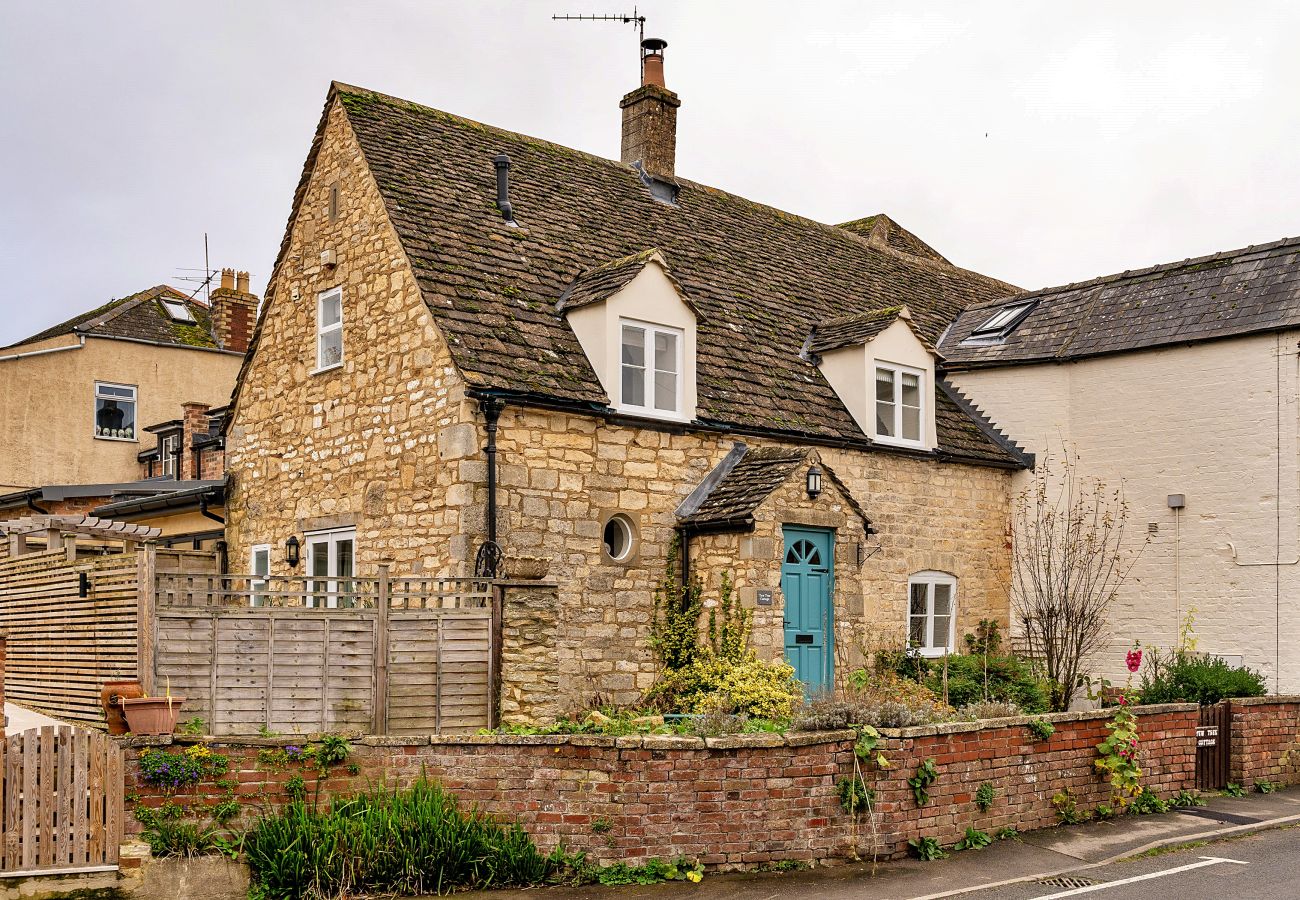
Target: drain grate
1068, 881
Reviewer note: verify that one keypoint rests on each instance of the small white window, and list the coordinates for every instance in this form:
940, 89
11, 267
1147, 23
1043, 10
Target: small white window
931, 612
179, 310
260, 569
651, 358
114, 411
900, 405
329, 329
167, 454
618, 538
330, 558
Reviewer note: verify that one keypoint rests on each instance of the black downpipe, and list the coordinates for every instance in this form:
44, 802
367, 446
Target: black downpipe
491, 407
203, 511
31, 504
684, 538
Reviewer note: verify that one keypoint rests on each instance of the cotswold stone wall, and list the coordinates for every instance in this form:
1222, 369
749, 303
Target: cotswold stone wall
731, 802
358, 444
1265, 740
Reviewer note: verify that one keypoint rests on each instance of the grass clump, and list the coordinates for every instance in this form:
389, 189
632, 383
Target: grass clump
412, 841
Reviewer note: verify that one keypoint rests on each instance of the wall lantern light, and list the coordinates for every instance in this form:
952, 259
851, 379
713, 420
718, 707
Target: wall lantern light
814, 481
291, 551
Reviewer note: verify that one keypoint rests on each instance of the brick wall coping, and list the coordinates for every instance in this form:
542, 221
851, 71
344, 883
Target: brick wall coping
1266, 701
1009, 721
625, 742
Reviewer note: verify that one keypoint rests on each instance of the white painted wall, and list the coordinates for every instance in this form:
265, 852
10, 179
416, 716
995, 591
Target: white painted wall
1216, 421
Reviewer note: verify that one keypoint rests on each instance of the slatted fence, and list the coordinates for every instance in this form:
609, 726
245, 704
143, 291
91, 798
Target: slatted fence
61, 801
296, 655
72, 626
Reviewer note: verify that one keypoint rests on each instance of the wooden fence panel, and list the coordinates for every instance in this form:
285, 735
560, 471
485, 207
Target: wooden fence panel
63, 646
60, 801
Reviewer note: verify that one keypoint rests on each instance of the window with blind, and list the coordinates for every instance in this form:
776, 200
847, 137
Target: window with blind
900, 405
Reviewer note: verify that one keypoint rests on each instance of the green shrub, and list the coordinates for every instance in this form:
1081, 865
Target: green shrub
984, 796
745, 686
974, 839
1041, 728
1147, 803
413, 841
1008, 679
927, 848
1185, 678
168, 834
854, 795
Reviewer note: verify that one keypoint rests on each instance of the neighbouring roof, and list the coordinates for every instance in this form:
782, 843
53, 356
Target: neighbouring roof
885, 232
859, 328
190, 495
1236, 292
740, 484
53, 493
759, 278
139, 317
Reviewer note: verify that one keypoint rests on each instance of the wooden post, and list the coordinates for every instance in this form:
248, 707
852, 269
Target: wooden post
495, 637
70, 546
381, 653
146, 573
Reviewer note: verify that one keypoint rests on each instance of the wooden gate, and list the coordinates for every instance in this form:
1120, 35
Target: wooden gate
1213, 746
62, 802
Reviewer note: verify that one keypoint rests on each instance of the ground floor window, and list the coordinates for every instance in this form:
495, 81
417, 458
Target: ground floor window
931, 612
260, 569
330, 556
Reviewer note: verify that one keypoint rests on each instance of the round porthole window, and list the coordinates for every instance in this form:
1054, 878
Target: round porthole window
618, 538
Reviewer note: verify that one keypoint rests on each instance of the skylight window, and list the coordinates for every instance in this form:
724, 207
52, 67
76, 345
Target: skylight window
1002, 321
178, 310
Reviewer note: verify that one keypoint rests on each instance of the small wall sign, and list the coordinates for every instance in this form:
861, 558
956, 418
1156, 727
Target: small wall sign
764, 598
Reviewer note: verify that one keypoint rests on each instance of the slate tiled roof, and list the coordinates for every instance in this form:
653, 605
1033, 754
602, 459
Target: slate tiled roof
604, 281
884, 231
139, 317
1232, 293
758, 277
859, 328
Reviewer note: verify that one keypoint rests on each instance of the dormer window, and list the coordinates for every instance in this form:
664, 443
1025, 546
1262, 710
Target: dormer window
899, 404
178, 311
651, 360
168, 451
1001, 322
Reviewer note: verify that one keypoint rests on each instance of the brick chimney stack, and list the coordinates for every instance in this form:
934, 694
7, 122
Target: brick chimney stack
234, 311
650, 116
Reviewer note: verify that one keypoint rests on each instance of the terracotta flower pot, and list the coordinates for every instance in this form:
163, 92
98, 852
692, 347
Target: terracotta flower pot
152, 715
111, 696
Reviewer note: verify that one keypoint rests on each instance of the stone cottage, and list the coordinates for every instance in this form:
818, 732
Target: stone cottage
473, 337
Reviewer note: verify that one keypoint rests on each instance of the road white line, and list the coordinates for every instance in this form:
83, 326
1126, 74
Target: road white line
1205, 861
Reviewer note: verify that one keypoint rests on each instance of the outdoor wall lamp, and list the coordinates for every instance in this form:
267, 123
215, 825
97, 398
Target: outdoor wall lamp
814, 481
291, 551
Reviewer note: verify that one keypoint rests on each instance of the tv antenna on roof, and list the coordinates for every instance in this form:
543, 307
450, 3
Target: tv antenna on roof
204, 283
634, 19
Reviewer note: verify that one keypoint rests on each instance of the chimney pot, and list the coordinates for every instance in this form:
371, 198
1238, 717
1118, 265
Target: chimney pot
652, 61
228, 279
241, 282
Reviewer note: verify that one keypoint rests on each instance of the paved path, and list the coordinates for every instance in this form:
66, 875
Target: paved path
981, 874
22, 719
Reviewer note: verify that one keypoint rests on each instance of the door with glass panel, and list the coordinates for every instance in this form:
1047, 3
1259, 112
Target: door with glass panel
330, 556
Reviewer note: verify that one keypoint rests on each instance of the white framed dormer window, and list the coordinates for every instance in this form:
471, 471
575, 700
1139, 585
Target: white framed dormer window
329, 329
931, 612
114, 411
167, 454
650, 369
900, 405
259, 568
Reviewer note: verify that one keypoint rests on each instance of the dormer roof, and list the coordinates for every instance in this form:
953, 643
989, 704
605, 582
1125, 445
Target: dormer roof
861, 328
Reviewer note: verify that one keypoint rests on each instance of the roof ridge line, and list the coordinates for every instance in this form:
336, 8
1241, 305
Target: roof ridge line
129, 302
1138, 273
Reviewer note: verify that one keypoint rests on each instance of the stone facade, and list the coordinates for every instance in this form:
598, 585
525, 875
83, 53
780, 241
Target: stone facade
391, 443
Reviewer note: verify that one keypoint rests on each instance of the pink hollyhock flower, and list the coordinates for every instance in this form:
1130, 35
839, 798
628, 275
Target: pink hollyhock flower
1133, 660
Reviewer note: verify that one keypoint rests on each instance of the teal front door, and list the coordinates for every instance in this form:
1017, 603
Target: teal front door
807, 576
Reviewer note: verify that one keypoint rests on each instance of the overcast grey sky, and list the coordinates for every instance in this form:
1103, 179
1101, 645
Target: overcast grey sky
1039, 142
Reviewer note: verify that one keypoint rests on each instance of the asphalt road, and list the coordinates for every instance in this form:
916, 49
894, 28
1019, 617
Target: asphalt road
1262, 866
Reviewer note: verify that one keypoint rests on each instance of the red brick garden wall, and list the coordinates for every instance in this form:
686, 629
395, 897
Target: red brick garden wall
1265, 740
732, 802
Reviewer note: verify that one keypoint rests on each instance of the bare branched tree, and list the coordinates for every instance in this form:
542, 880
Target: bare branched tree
1068, 562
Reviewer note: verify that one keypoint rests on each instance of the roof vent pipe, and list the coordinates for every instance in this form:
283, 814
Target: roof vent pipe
502, 163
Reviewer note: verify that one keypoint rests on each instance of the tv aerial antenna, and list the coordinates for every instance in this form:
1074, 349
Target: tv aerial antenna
621, 18
204, 282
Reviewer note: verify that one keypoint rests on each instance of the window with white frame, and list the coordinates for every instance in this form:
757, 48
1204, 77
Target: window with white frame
329, 329
167, 448
900, 399
259, 568
330, 558
651, 369
114, 411
931, 612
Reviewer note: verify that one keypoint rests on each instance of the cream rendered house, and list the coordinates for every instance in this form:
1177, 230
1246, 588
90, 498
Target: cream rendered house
1178, 382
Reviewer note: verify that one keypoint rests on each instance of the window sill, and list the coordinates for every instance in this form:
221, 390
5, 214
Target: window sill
934, 652
323, 369
899, 442
641, 412
120, 440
